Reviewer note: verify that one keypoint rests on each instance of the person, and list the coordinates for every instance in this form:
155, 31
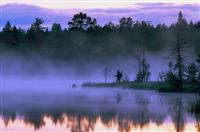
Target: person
74, 85
118, 76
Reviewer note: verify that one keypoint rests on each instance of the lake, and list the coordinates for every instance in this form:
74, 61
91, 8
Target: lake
42, 107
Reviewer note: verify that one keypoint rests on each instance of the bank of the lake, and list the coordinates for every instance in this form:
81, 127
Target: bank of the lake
159, 86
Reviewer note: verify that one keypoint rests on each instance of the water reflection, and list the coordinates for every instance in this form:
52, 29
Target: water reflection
134, 111
195, 111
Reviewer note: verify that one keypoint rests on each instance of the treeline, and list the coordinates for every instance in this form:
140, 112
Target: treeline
86, 39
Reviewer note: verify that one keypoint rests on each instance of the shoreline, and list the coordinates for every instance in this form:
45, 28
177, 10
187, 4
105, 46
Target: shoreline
158, 86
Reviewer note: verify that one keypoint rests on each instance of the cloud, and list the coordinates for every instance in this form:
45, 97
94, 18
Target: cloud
23, 15
26, 14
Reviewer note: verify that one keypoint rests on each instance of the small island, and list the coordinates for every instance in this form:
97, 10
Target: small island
189, 82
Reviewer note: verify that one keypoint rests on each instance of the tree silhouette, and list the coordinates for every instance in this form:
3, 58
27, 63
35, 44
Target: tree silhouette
181, 20
126, 23
56, 28
197, 25
178, 49
81, 21
12, 35
143, 71
109, 27
191, 73
198, 60
36, 32
7, 33
8, 28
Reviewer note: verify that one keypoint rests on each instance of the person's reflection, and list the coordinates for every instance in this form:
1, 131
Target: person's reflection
118, 98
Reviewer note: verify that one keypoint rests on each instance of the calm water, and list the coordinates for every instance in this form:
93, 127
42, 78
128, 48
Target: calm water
27, 108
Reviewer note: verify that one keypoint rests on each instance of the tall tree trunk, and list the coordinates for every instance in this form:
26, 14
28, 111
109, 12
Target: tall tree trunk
143, 66
180, 82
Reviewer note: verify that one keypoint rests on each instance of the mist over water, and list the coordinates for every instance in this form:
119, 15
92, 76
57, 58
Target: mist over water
73, 107
37, 91
21, 68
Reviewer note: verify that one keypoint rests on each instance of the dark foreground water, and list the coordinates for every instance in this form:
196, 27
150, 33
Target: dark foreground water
58, 107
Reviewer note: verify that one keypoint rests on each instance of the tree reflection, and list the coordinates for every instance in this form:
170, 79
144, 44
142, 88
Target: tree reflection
83, 122
143, 112
177, 109
124, 119
179, 117
34, 118
195, 111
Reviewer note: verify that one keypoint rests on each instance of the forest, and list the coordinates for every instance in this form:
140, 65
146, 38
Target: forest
85, 39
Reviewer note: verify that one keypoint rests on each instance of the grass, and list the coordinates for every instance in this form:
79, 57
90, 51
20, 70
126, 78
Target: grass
131, 85
159, 86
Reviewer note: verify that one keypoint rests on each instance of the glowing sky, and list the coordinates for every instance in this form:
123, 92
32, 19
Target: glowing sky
23, 12
66, 4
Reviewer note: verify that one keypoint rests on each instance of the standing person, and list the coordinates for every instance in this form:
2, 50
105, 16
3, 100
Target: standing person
118, 76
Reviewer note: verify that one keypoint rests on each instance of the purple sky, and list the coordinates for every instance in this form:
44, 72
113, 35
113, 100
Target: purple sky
23, 14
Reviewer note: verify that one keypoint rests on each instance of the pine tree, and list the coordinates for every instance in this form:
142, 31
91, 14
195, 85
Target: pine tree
178, 50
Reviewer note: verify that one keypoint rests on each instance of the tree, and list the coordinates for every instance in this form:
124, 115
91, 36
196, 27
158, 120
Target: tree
170, 77
181, 20
161, 76
143, 71
109, 26
11, 35
197, 25
15, 36
56, 28
191, 73
8, 28
36, 32
178, 49
82, 22
7, 33
126, 23
198, 60
37, 25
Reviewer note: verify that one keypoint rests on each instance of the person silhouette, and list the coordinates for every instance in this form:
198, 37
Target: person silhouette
118, 76
74, 85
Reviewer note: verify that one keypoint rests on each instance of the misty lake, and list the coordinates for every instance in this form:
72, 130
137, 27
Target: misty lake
46, 107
